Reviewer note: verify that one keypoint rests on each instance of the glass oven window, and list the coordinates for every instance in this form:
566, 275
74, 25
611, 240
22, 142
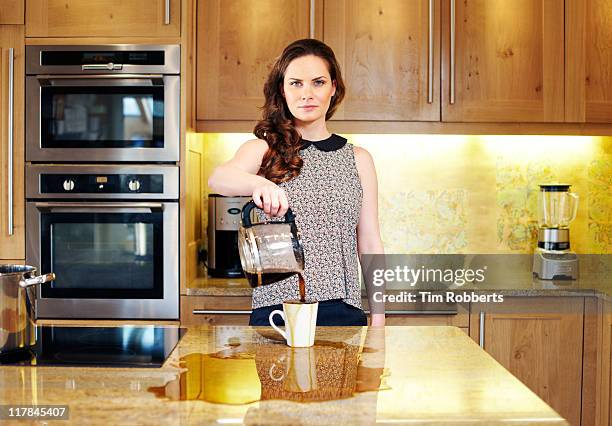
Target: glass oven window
103, 255
102, 117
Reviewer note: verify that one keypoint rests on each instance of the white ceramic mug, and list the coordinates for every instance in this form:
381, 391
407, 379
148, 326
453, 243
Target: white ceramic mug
300, 323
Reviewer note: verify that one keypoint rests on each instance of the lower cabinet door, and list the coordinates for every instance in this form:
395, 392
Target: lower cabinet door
540, 341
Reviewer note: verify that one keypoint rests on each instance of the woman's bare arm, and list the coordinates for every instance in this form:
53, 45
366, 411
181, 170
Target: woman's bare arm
238, 177
368, 228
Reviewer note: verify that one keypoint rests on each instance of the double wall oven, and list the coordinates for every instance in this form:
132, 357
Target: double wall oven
102, 180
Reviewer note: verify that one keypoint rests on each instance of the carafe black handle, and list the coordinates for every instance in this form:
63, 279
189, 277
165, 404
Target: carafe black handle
246, 215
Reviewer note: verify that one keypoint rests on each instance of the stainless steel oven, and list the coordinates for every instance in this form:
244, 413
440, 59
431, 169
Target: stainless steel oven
110, 234
108, 103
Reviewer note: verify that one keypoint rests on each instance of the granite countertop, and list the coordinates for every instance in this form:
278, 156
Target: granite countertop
509, 275
415, 375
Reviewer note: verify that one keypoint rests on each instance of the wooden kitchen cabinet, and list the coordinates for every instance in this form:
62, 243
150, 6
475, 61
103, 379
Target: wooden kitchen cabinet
389, 53
396, 58
509, 61
389, 67
103, 18
12, 241
12, 12
540, 341
588, 67
237, 42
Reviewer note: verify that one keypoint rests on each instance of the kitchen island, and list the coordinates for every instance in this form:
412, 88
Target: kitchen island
353, 375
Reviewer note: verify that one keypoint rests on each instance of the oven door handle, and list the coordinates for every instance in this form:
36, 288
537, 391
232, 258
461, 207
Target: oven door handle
101, 80
100, 207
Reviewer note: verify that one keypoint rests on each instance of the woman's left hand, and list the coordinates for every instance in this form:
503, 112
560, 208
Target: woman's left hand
377, 320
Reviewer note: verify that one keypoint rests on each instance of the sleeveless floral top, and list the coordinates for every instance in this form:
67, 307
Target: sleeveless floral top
326, 198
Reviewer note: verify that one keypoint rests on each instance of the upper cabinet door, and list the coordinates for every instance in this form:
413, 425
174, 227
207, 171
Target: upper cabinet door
508, 60
389, 53
12, 71
103, 18
11, 12
237, 42
589, 63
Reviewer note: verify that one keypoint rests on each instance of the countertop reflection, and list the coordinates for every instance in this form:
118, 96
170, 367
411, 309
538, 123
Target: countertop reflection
238, 374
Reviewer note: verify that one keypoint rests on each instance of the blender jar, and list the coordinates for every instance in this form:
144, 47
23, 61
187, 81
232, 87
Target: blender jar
557, 206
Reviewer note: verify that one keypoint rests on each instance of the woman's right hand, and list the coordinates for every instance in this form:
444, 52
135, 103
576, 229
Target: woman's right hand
272, 199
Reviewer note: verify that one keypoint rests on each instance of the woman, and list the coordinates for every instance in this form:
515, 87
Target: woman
330, 185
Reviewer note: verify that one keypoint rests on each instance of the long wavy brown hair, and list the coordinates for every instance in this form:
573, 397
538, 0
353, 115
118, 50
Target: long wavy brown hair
282, 161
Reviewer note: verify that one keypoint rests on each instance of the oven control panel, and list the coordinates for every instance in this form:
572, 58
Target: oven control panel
101, 184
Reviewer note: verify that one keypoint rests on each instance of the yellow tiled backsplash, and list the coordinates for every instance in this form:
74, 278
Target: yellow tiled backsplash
472, 194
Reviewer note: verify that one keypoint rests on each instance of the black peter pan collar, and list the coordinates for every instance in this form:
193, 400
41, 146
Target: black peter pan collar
332, 143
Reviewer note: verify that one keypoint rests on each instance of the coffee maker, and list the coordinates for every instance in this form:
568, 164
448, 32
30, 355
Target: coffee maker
552, 259
223, 225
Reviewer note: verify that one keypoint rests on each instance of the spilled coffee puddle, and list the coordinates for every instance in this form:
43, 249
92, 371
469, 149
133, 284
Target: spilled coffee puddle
243, 374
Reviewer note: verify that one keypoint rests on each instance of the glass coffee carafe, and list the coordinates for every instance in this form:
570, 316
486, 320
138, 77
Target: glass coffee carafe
557, 206
269, 251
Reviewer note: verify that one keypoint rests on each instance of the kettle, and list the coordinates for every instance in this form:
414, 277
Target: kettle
269, 251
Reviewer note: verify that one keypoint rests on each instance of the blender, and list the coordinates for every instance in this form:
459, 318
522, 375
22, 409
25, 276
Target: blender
553, 260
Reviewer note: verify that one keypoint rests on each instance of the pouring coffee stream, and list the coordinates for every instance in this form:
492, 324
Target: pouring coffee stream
271, 251
302, 284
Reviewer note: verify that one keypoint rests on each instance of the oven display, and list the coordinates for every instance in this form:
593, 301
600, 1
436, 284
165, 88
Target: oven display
127, 57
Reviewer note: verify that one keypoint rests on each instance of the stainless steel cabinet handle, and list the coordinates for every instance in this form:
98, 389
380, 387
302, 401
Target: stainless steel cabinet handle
11, 95
146, 80
167, 13
218, 312
481, 331
312, 19
101, 205
452, 51
430, 54
98, 76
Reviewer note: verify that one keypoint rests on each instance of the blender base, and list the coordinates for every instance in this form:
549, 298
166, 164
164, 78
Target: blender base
555, 265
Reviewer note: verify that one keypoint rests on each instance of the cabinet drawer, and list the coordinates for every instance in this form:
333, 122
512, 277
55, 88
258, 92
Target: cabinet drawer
215, 310
430, 313
454, 320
